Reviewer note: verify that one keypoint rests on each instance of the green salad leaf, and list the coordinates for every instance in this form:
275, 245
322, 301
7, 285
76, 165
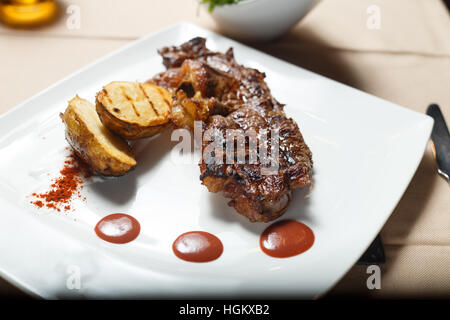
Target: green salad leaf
214, 3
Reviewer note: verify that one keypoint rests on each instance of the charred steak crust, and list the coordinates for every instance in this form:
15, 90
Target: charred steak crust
212, 87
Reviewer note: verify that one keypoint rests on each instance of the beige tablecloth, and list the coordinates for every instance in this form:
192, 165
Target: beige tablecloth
406, 61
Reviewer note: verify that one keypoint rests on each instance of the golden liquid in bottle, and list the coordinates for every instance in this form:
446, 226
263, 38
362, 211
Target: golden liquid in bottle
28, 13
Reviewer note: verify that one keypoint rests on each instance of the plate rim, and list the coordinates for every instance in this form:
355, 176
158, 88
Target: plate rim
428, 124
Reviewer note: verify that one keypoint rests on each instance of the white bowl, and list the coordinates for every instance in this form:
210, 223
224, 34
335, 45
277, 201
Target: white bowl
259, 20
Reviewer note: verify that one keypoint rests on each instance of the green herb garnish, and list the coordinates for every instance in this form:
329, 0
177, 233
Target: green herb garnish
214, 3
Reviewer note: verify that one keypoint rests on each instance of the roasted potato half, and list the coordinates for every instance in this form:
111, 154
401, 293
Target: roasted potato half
134, 110
105, 152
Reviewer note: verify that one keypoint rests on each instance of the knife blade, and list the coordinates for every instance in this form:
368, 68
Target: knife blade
440, 139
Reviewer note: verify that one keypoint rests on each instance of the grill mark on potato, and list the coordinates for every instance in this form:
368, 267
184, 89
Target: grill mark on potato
107, 96
153, 107
130, 100
148, 99
167, 102
163, 95
159, 91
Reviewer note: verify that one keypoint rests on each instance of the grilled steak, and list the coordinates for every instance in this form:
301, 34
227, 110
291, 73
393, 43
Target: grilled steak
212, 87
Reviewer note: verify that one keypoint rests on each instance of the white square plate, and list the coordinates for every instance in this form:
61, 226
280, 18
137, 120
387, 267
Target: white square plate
365, 152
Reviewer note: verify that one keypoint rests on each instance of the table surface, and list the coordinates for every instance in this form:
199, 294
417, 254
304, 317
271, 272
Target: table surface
406, 61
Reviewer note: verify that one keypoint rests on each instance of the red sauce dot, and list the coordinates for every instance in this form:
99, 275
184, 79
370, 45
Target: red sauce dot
286, 238
118, 228
197, 246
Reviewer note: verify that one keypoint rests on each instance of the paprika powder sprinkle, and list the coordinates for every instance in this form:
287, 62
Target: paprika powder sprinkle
65, 187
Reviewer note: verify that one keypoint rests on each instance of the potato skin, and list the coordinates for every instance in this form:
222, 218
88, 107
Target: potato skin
127, 130
87, 146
